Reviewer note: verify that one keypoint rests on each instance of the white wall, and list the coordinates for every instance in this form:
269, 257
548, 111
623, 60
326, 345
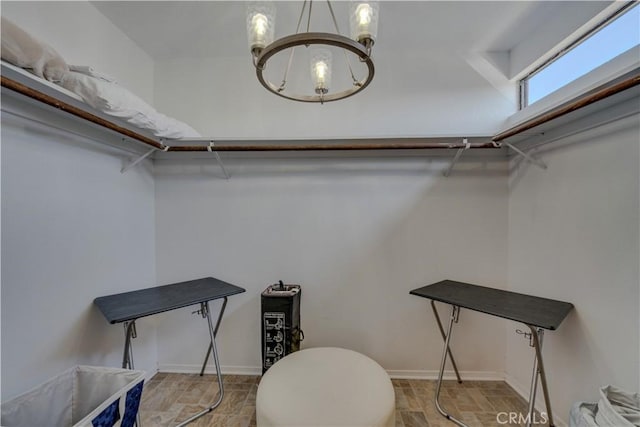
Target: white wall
83, 36
573, 236
358, 235
73, 228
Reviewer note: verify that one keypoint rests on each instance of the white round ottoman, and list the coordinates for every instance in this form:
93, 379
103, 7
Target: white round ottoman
323, 387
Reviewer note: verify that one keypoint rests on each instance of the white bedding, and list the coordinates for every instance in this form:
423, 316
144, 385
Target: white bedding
97, 89
115, 100
23, 50
90, 71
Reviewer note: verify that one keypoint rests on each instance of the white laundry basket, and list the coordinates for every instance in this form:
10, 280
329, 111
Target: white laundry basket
616, 408
83, 396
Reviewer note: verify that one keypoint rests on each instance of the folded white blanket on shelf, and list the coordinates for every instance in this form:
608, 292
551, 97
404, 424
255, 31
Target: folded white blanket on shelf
117, 101
97, 89
90, 71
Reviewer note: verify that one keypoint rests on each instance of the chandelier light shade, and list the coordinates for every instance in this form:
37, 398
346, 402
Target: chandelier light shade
321, 69
363, 20
261, 19
279, 70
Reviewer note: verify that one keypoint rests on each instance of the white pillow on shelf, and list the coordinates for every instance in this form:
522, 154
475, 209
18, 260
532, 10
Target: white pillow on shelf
117, 101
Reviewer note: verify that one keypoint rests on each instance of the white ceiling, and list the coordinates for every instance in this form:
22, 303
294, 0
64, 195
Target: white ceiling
442, 67
210, 29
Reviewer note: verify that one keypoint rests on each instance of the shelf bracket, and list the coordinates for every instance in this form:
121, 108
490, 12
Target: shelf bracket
537, 162
138, 160
467, 145
218, 159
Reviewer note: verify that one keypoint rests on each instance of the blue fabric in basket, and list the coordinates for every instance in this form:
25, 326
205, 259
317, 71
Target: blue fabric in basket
109, 416
131, 405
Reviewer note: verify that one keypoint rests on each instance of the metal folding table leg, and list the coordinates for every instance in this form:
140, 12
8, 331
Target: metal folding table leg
444, 337
215, 334
204, 307
455, 311
127, 357
129, 333
538, 370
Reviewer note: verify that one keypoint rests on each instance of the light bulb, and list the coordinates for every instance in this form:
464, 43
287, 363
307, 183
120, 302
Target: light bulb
259, 23
321, 73
364, 12
321, 69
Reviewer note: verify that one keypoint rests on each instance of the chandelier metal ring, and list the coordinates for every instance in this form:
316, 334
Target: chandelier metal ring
306, 39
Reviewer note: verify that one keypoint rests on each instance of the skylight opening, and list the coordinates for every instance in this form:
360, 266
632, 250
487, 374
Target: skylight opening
610, 39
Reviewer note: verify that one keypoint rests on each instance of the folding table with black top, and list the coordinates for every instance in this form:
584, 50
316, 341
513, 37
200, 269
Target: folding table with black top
128, 307
535, 312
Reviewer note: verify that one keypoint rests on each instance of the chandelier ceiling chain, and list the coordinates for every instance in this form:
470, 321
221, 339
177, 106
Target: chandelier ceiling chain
286, 71
363, 20
346, 58
309, 17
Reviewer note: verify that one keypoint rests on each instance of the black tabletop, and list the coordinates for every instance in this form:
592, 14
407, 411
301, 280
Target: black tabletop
540, 312
145, 302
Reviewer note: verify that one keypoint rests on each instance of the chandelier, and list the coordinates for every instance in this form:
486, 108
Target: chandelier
275, 61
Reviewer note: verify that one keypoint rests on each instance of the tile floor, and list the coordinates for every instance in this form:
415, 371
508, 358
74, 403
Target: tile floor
171, 398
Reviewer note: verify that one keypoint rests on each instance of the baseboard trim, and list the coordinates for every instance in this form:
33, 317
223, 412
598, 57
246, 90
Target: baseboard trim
393, 373
150, 374
195, 369
448, 375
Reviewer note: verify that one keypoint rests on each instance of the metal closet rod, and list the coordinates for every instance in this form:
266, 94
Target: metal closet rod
625, 82
49, 100
337, 147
